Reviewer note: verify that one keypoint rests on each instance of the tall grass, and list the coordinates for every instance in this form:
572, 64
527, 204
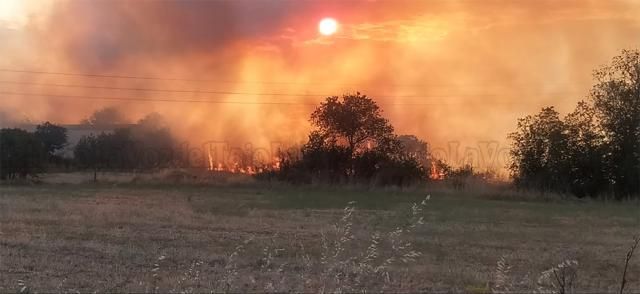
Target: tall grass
346, 261
376, 262
341, 266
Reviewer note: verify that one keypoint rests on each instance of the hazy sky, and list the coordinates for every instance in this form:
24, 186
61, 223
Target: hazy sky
444, 70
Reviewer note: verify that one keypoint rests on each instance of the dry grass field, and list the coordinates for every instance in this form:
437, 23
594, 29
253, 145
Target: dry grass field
162, 237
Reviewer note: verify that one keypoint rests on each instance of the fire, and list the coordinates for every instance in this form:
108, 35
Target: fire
436, 173
239, 169
276, 163
210, 168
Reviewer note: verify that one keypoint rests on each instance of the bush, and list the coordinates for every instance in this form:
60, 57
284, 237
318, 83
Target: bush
21, 154
353, 143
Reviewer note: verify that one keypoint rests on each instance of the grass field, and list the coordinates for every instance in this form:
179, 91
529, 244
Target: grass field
164, 237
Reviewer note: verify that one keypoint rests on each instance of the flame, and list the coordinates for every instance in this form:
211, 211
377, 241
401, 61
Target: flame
236, 167
436, 173
276, 163
210, 167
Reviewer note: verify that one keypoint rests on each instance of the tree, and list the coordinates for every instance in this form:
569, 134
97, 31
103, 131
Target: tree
353, 142
354, 121
148, 143
104, 117
585, 152
21, 154
153, 141
107, 151
538, 152
616, 101
416, 148
87, 155
325, 159
53, 137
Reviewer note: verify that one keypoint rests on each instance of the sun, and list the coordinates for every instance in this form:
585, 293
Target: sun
12, 13
328, 26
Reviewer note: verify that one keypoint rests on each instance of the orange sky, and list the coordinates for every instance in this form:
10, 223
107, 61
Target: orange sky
444, 70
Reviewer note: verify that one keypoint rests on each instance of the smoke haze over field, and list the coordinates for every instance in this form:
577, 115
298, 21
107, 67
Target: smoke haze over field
443, 70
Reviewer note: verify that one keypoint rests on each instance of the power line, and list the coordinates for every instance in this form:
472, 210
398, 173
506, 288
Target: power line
148, 99
258, 94
116, 76
160, 90
104, 76
156, 78
211, 101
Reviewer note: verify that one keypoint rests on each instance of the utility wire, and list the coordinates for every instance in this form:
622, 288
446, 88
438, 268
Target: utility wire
261, 94
149, 99
199, 80
212, 101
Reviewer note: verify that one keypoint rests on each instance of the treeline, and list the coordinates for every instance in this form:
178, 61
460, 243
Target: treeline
145, 145
24, 153
593, 150
112, 145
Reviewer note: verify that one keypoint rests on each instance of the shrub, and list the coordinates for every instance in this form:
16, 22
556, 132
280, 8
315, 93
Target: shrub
21, 154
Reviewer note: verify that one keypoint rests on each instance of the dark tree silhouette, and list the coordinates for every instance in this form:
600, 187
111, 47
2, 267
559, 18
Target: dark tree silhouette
538, 152
354, 121
107, 151
147, 144
105, 116
596, 148
585, 152
352, 142
616, 101
87, 154
416, 148
21, 154
53, 137
153, 141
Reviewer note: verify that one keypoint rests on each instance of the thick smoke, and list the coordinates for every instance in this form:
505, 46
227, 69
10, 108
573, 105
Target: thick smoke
443, 70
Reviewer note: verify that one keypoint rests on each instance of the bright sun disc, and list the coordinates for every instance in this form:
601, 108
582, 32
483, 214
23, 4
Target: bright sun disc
328, 26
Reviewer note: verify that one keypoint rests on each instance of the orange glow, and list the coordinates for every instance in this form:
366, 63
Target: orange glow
453, 75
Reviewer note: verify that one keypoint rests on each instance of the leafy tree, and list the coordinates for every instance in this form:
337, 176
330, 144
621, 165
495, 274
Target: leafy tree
87, 154
153, 141
354, 121
353, 142
148, 143
53, 137
400, 171
21, 154
107, 151
616, 101
325, 159
105, 116
538, 152
585, 152
120, 150
416, 148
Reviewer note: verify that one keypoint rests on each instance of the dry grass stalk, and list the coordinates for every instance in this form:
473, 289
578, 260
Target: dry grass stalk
559, 279
623, 283
502, 282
